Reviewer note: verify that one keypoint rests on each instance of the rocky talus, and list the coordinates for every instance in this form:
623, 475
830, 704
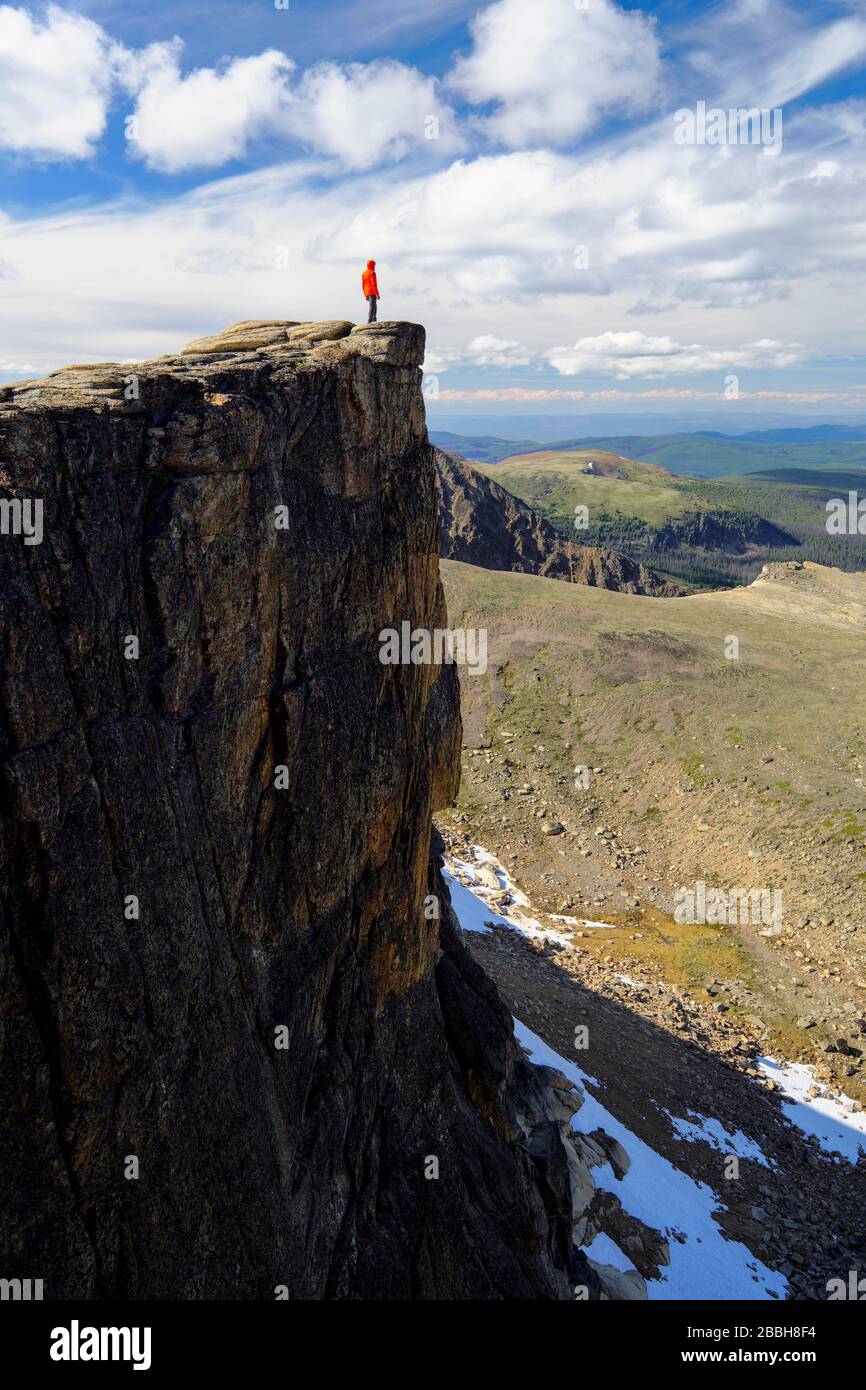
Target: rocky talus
240, 1055
482, 524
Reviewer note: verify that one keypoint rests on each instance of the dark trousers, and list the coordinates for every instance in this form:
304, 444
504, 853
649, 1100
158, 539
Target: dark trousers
372, 301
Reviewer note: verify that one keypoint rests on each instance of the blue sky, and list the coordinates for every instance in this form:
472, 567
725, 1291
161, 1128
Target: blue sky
516, 168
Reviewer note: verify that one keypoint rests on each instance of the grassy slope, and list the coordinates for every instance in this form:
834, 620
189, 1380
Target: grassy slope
743, 773
625, 496
658, 675
554, 482
707, 457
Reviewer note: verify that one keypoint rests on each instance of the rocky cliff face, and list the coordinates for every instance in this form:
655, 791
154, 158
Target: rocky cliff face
240, 1053
482, 524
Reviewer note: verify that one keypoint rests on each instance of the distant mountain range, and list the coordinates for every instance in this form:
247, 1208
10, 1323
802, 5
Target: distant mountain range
809, 434
735, 420
701, 454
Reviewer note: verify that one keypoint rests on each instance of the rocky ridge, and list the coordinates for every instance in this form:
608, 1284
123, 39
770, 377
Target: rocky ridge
482, 524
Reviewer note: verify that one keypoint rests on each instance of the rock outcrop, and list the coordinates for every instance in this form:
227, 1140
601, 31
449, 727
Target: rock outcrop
482, 524
242, 1057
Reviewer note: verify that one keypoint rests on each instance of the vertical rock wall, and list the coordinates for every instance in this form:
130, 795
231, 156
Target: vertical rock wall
215, 855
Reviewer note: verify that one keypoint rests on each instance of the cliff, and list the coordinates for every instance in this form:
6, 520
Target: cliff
240, 1053
482, 524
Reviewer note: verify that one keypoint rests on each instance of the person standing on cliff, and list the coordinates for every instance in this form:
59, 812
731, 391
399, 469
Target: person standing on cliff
370, 287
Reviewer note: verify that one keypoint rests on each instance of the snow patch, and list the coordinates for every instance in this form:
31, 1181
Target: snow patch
604, 1252
467, 881
829, 1116
718, 1136
472, 905
707, 1265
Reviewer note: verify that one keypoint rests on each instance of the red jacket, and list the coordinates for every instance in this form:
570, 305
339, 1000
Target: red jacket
369, 283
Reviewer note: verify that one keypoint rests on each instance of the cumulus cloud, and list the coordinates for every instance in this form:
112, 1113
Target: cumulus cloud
60, 78
359, 114
493, 227
484, 351
488, 351
622, 355
663, 224
627, 355
366, 113
552, 69
55, 82
705, 245
208, 117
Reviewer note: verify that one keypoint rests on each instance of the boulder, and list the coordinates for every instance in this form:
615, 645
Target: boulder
242, 337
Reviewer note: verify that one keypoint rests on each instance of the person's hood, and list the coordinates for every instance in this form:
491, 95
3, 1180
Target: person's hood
370, 265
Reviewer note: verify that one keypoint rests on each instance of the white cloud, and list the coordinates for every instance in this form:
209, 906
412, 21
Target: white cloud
366, 113
488, 351
511, 393
824, 53
21, 369
484, 351
628, 355
661, 223
853, 396
484, 248
59, 79
624, 355
552, 69
844, 120
491, 228
55, 83
210, 116
360, 114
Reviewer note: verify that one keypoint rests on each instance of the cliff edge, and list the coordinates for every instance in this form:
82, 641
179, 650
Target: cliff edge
242, 1056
